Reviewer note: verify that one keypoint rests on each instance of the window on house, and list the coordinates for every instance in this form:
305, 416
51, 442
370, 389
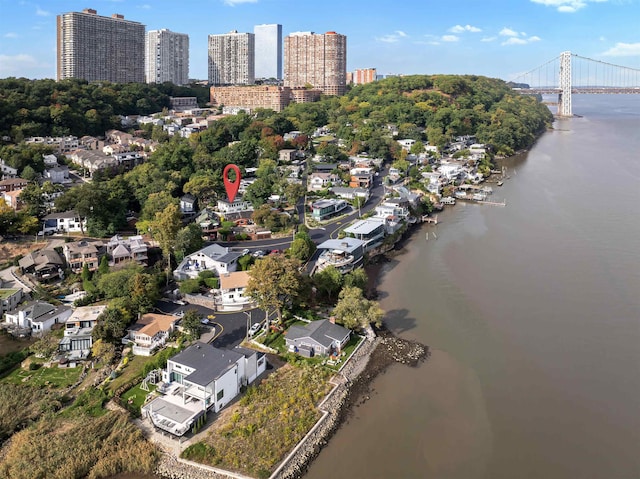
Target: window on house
220, 395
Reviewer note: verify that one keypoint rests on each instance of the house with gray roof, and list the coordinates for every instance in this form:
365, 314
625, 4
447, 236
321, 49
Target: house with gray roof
344, 254
38, 315
318, 338
44, 264
214, 257
198, 379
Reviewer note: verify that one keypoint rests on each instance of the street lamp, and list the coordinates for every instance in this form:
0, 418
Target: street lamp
248, 313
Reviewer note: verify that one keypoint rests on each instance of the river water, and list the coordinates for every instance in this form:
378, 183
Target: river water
532, 312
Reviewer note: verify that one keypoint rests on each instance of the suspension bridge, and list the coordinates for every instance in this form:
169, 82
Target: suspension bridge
569, 74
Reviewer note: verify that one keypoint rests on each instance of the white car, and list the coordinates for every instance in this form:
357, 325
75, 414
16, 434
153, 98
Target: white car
253, 330
245, 251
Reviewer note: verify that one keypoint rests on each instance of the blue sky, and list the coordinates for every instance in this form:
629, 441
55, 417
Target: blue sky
496, 38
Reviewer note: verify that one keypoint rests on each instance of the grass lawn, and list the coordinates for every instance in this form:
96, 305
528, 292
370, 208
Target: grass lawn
55, 377
132, 370
348, 351
137, 395
254, 435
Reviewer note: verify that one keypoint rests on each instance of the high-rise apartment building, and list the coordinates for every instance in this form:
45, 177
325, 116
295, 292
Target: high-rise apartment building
268, 51
97, 48
231, 58
364, 75
167, 57
316, 59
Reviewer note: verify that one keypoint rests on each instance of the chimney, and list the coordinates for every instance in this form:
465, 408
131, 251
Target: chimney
90, 11
118, 16
332, 319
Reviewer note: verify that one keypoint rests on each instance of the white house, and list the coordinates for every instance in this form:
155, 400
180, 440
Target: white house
199, 379
406, 144
188, 204
238, 206
214, 257
7, 171
150, 332
319, 181
9, 299
38, 315
77, 340
64, 222
57, 174
371, 231
231, 292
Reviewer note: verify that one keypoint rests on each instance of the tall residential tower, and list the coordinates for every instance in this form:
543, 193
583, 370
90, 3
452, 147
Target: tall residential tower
231, 58
97, 48
167, 57
268, 51
316, 59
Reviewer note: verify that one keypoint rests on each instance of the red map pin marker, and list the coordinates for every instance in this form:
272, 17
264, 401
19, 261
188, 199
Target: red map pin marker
232, 187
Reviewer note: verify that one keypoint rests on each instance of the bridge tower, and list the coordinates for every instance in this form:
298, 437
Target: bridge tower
564, 98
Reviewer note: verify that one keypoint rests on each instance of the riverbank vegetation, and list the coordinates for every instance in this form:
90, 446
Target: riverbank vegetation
255, 434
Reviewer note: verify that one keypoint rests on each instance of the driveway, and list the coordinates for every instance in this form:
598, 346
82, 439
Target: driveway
227, 329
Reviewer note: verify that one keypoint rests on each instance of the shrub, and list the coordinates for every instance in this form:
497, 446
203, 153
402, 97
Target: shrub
189, 286
212, 283
34, 366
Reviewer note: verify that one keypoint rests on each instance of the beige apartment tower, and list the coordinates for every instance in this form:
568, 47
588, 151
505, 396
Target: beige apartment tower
96, 48
232, 59
319, 60
167, 57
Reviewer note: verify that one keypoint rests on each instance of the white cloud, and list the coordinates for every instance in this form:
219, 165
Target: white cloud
623, 50
567, 6
146, 6
42, 13
465, 28
233, 3
508, 32
534, 38
488, 39
514, 41
392, 37
450, 38
11, 65
10, 35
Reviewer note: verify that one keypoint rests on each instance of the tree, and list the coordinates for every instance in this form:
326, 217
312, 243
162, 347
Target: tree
274, 281
300, 250
103, 267
103, 351
329, 280
165, 229
188, 240
357, 278
144, 291
356, 312
45, 346
111, 325
191, 324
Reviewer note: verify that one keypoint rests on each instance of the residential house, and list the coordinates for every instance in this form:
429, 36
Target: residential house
344, 254
371, 231
118, 137
44, 264
361, 178
38, 315
63, 144
188, 204
325, 167
398, 207
318, 338
214, 257
9, 299
287, 155
57, 174
83, 252
324, 209
128, 159
208, 221
320, 181
351, 194
198, 379
12, 199
7, 171
50, 161
239, 205
13, 184
127, 249
63, 222
231, 292
150, 332
92, 160
292, 135
78, 340
406, 144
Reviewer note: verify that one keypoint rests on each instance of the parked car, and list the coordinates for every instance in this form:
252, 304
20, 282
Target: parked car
245, 251
258, 254
253, 330
275, 251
